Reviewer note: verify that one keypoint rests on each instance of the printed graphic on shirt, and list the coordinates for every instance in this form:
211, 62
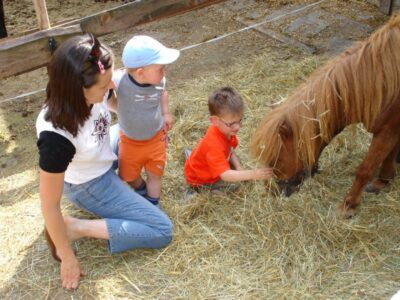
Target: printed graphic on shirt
101, 126
153, 97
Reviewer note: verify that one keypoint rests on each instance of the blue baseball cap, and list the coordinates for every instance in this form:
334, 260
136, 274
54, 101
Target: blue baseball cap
142, 50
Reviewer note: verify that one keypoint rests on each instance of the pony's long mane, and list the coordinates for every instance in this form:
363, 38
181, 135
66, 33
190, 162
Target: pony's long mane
351, 88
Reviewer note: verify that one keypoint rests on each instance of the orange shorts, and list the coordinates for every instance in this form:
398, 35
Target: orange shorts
134, 155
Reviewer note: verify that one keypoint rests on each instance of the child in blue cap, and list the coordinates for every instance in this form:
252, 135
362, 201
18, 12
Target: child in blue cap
143, 114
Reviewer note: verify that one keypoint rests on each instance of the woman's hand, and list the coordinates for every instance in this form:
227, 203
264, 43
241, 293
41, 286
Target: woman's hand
71, 272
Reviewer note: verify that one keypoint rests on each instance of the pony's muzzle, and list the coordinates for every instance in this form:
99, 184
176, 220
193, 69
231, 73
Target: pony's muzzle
286, 189
292, 185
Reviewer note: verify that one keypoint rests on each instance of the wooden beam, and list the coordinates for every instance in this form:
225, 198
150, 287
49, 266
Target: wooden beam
41, 14
279, 37
3, 30
385, 6
138, 12
30, 52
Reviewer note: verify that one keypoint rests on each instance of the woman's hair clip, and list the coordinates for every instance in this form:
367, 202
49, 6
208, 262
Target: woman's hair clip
95, 54
101, 67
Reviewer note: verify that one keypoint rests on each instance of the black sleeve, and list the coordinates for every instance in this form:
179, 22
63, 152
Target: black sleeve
55, 152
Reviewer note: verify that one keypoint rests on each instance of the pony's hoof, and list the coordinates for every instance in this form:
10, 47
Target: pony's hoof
345, 212
376, 186
370, 188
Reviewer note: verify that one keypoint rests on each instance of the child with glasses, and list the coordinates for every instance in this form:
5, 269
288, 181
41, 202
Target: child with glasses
214, 159
143, 114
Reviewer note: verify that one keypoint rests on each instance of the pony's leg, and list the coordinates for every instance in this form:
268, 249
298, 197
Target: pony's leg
386, 173
382, 144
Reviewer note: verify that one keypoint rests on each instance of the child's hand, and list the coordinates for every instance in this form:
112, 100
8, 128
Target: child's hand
262, 173
165, 138
168, 122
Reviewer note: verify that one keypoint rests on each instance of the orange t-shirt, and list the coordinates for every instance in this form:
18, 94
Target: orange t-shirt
210, 158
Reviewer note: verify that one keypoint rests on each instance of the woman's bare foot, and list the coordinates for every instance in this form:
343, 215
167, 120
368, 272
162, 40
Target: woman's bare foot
72, 226
79, 228
70, 223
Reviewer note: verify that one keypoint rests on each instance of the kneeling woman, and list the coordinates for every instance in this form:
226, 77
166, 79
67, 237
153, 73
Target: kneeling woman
76, 157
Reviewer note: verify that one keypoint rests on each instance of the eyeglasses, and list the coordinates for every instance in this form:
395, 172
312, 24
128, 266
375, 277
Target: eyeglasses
232, 124
95, 54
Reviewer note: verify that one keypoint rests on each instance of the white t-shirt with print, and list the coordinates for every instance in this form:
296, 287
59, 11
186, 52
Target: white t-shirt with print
94, 155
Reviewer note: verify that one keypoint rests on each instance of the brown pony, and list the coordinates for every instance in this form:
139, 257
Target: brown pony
362, 85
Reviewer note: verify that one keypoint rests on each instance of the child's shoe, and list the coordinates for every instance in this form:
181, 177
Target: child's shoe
142, 189
154, 201
187, 152
190, 193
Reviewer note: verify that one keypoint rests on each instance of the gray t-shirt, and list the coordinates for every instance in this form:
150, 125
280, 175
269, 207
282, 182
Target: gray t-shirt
139, 108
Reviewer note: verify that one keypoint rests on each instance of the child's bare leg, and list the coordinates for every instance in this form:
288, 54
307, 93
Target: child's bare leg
137, 183
153, 185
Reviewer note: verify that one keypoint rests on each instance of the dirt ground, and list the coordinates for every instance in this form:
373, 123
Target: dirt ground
24, 250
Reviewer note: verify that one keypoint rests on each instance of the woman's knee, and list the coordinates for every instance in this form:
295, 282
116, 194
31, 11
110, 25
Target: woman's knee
165, 240
166, 228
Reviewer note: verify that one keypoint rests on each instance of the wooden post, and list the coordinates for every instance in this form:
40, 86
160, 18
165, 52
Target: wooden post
3, 30
41, 14
385, 6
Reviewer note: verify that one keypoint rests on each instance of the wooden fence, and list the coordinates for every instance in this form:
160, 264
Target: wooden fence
32, 51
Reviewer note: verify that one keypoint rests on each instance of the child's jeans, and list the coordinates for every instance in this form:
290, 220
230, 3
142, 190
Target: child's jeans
132, 221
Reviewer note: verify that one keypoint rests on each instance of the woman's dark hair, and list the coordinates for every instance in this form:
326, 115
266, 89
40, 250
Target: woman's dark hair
76, 64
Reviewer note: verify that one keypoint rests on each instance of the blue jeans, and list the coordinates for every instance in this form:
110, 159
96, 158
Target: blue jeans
132, 221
